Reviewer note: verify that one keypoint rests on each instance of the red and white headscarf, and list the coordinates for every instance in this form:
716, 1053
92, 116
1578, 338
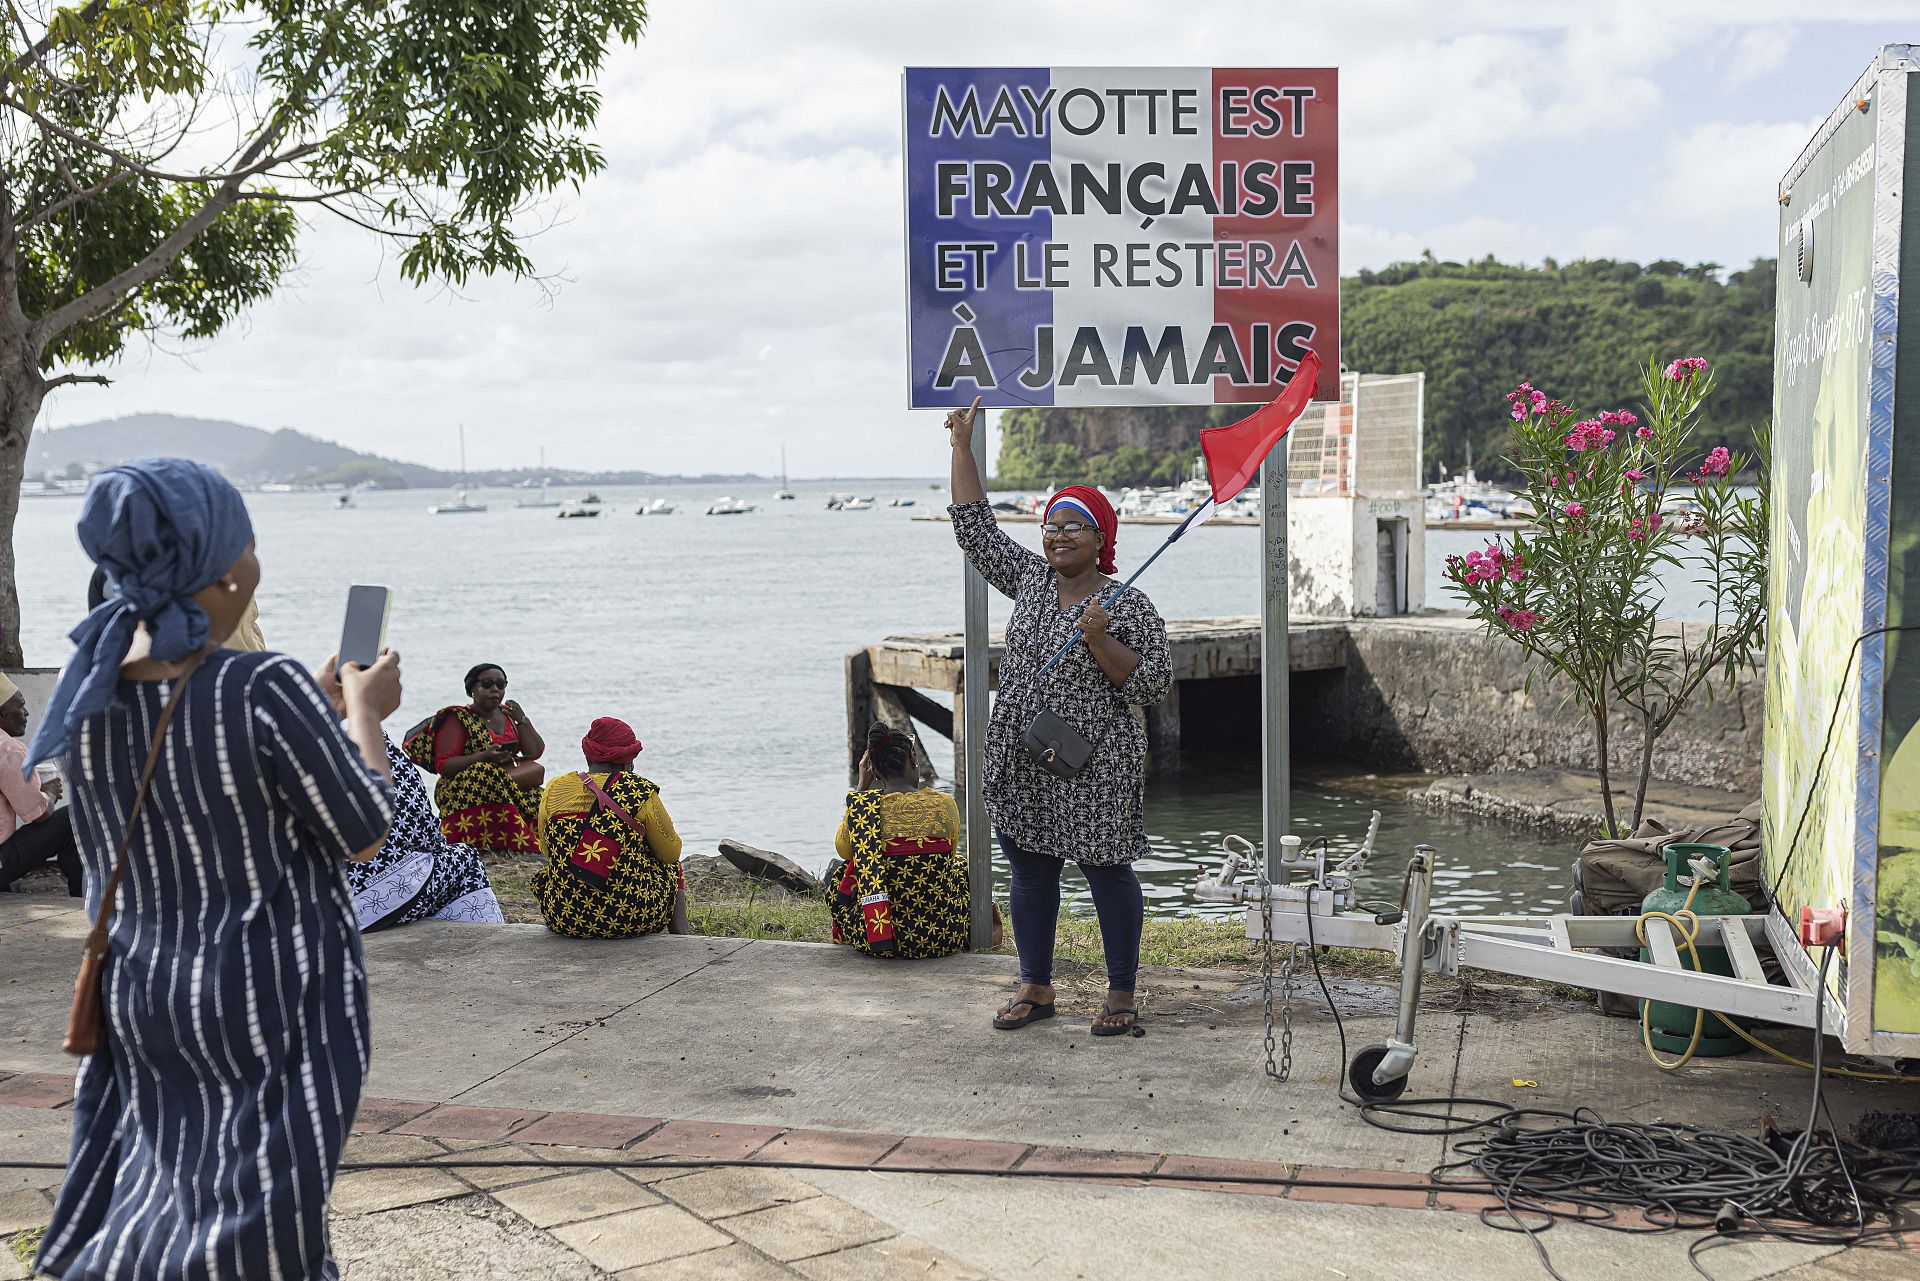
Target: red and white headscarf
1088, 502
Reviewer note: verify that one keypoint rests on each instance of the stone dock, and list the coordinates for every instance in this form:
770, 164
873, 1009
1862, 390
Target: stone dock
1430, 692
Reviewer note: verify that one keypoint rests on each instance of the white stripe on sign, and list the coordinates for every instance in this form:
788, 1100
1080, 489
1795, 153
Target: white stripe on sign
1108, 252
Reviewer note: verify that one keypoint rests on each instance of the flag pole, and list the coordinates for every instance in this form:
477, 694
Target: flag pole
1167, 542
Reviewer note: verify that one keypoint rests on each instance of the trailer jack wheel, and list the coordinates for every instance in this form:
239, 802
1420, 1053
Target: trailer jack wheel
1360, 1077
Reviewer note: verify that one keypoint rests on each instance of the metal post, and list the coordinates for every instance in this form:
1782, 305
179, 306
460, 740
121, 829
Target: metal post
973, 711
1276, 666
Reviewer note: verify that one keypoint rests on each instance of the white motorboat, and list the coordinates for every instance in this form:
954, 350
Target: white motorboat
729, 507
571, 510
901, 502
857, 505
658, 507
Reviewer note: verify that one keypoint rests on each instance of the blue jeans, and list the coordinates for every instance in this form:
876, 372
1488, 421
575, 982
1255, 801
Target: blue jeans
1117, 901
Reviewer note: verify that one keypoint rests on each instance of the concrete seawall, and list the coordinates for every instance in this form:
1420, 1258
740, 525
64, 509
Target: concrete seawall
1435, 693
1425, 692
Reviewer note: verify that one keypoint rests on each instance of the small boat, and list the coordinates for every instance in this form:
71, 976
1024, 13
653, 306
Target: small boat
783, 494
729, 507
572, 510
901, 502
658, 507
545, 500
343, 503
460, 506
591, 500
857, 505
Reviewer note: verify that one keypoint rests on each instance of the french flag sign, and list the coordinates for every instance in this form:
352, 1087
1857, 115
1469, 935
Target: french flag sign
1120, 235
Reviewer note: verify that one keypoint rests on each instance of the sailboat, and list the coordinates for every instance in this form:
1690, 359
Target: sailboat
545, 499
783, 494
460, 506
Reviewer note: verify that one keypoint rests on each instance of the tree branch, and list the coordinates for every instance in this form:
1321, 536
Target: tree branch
250, 164
66, 380
156, 261
39, 48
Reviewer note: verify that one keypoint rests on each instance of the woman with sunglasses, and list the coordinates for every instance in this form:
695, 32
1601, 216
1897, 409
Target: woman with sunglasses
487, 754
1093, 819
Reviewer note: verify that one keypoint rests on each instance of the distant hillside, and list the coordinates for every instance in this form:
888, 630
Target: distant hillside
1582, 331
251, 456
247, 455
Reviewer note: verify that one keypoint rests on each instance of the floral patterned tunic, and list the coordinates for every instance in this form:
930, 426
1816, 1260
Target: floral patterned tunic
1095, 818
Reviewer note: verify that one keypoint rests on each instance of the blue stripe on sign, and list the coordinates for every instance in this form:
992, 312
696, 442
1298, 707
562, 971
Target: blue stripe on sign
1004, 316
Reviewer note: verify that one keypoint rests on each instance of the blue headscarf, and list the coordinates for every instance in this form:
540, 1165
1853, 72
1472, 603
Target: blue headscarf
163, 529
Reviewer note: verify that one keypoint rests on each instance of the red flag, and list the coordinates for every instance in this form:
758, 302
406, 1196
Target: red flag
1235, 452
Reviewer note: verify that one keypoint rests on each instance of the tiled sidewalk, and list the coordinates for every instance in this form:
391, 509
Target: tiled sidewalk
667, 1224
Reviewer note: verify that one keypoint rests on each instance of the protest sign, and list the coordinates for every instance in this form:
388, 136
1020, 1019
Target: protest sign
1120, 236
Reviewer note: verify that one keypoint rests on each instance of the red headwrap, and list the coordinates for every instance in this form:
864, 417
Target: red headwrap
1102, 512
610, 742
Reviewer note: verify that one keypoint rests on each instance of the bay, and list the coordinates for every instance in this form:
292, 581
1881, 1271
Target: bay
722, 641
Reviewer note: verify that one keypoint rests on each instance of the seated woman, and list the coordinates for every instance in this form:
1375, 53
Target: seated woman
417, 875
613, 858
486, 755
899, 887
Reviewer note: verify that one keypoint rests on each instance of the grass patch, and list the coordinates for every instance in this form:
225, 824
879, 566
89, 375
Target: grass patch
1174, 942
26, 1243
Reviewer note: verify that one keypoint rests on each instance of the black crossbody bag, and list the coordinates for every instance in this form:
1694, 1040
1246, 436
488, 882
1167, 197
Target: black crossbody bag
1054, 745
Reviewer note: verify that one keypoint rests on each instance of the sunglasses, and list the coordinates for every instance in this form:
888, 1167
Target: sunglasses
1070, 527
489, 682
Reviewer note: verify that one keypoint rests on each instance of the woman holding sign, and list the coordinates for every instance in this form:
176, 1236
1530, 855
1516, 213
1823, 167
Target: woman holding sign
1064, 751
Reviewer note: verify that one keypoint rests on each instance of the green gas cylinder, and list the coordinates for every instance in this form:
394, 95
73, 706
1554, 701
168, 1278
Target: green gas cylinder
1670, 1026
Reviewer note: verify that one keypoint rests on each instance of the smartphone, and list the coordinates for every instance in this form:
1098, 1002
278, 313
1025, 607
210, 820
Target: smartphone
365, 633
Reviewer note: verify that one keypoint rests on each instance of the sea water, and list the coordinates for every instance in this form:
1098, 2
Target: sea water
722, 640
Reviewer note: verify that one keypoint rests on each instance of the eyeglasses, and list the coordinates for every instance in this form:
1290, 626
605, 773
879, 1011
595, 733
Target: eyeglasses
488, 682
1070, 527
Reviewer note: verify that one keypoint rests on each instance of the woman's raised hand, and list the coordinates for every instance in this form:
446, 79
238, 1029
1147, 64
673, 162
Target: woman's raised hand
512, 709
1094, 619
376, 689
960, 425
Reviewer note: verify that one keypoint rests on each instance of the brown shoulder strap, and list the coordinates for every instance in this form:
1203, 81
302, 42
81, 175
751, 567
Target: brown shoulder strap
97, 937
619, 810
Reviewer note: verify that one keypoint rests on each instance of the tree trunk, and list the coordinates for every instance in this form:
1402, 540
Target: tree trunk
21, 391
1647, 736
1606, 772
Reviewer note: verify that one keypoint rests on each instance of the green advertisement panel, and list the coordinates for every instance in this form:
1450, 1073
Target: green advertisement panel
1841, 782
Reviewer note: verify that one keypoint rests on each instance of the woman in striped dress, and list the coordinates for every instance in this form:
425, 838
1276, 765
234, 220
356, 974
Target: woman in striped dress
207, 1128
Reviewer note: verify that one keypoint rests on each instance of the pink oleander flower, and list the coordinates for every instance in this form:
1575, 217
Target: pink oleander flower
1655, 520
1575, 511
1681, 370
1553, 482
1517, 413
1644, 433
1718, 461
1539, 402
1618, 418
1588, 435
1521, 620
1636, 531
1636, 474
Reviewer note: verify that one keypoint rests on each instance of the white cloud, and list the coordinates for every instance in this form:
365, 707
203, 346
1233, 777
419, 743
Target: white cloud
1722, 175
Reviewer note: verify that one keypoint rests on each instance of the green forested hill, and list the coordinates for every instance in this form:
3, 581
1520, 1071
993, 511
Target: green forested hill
1581, 332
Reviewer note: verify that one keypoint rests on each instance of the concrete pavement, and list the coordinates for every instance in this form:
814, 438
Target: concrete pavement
512, 1040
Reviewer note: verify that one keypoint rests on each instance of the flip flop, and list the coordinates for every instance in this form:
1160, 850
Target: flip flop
1035, 1012
1130, 1028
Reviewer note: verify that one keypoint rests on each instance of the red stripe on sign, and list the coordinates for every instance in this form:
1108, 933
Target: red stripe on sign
1276, 147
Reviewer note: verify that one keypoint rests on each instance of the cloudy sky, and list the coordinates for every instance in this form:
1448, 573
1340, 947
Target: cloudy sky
733, 282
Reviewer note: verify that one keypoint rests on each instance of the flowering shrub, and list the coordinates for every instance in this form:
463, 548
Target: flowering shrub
1580, 592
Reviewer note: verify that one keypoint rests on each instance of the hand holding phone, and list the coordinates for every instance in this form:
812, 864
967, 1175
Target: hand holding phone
364, 634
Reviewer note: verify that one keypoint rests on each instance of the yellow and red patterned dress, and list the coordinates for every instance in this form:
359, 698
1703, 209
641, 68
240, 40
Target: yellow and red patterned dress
479, 806
604, 880
899, 888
